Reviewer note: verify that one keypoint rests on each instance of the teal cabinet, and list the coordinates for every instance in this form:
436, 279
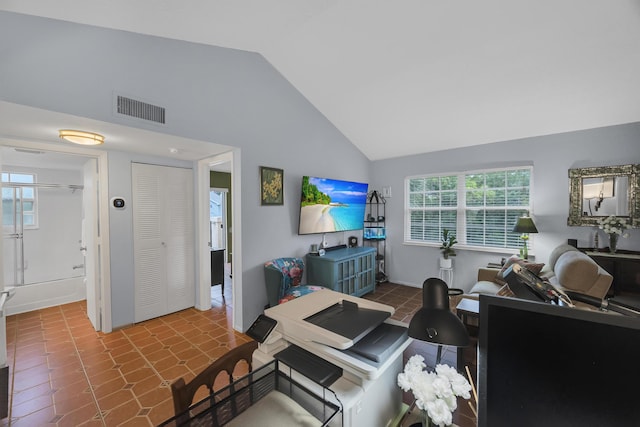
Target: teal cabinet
351, 271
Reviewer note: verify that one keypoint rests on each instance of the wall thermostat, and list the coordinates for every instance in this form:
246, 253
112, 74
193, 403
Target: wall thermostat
118, 202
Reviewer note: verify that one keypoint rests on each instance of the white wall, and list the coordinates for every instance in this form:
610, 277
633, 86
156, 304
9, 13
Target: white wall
551, 156
52, 249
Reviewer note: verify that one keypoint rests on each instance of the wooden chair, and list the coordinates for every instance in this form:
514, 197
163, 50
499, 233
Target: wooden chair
183, 393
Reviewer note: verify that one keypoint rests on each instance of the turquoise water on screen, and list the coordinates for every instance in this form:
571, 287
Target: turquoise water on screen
348, 217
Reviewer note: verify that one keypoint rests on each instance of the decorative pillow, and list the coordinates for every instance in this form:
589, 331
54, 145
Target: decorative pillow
535, 268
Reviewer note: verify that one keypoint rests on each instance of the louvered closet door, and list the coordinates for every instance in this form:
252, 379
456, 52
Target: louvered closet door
180, 241
163, 240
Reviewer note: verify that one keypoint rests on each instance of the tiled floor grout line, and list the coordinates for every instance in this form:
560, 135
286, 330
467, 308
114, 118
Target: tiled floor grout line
101, 413
147, 361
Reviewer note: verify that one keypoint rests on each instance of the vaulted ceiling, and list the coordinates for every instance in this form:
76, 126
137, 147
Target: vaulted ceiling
412, 76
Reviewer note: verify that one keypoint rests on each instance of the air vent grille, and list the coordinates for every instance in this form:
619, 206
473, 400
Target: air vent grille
141, 110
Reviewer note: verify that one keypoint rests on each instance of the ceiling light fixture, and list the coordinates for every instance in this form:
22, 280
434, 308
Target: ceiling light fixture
81, 137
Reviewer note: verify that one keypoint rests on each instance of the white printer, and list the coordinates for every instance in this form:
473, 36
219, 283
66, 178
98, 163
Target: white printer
356, 335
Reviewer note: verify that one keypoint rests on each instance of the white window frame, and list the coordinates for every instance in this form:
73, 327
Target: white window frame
512, 242
34, 210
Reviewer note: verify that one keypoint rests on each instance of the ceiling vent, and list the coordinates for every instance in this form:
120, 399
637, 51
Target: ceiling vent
140, 110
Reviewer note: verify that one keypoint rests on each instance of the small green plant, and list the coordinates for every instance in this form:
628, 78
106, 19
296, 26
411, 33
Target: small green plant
448, 240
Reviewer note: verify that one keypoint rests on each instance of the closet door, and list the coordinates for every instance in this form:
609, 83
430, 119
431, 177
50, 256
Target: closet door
163, 240
180, 239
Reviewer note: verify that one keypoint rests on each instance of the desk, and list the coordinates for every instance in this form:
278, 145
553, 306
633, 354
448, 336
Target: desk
467, 309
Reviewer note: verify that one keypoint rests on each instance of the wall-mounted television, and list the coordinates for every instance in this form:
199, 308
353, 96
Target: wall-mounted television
330, 205
541, 364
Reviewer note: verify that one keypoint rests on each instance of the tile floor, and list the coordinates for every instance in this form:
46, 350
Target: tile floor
63, 373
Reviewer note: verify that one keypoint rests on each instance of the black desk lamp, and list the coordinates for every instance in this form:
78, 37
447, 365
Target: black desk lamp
435, 322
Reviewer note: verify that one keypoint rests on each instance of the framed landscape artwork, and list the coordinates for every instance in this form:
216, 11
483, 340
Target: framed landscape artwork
271, 186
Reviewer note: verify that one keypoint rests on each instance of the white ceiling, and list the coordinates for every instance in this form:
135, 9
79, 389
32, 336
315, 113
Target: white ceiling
413, 76
20, 124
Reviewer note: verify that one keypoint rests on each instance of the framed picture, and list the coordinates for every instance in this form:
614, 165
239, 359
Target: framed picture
271, 186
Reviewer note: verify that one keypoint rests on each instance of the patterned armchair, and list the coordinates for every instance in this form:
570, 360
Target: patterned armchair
282, 277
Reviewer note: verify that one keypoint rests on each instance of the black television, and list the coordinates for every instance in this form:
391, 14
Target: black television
330, 205
541, 364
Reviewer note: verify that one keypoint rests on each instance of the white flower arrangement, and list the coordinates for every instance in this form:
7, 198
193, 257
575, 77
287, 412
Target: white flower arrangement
435, 392
613, 225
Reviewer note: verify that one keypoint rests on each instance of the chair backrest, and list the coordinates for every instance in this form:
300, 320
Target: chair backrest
183, 393
280, 274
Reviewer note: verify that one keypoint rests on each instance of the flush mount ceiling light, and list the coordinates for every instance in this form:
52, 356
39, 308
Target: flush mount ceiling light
81, 137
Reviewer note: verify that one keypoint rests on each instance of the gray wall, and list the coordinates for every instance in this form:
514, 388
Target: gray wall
212, 94
551, 156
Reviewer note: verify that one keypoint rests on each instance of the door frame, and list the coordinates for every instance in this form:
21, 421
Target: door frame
102, 259
203, 183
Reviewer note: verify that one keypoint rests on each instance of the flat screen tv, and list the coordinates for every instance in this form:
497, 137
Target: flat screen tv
330, 205
541, 364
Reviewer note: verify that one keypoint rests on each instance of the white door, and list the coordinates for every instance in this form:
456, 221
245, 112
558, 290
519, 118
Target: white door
218, 218
89, 244
163, 240
180, 239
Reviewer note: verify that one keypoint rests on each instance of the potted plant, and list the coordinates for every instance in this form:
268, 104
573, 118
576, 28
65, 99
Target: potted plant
448, 240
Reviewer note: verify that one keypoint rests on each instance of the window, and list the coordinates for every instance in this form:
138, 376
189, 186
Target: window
19, 199
480, 206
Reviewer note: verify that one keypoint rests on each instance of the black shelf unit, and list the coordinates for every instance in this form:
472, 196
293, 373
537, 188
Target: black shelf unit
375, 232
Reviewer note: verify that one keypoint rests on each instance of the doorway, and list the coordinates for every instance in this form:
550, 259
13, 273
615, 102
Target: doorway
221, 279
218, 218
51, 225
227, 164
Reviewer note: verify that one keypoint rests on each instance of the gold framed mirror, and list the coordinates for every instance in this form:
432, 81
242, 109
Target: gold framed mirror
602, 191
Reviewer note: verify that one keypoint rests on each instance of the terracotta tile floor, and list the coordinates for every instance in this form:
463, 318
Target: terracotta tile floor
64, 373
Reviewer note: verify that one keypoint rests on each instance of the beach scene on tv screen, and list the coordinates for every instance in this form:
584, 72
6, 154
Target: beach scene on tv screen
329, 205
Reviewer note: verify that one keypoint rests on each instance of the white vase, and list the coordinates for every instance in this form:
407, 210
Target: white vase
445, 262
